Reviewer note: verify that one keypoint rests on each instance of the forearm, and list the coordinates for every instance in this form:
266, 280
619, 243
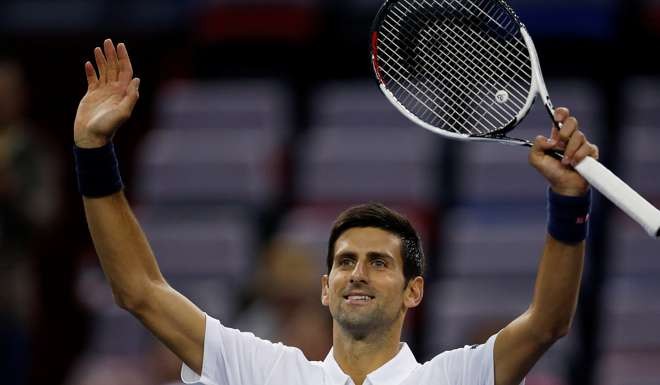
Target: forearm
136, 281
125, 255
521, 343
557, 288
122, 248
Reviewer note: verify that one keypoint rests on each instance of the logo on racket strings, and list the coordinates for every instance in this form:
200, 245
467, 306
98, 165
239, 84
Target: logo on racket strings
502, 97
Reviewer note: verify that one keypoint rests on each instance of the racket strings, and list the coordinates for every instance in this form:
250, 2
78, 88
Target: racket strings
490, 50
432, 95
412, 91
453, 92
472, 59
431, 92
501, 17
467, 61
458, 65
462, 79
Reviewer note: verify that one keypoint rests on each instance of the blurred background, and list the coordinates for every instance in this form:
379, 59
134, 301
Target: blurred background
259, 121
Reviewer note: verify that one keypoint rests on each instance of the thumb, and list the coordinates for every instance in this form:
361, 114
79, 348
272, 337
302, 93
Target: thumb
543, 144
132, 96
539, 148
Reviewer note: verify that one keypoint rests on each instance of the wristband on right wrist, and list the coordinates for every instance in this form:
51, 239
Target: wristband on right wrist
568, 217
97, 171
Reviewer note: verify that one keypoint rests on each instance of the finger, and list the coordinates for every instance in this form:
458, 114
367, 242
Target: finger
556, 139
587, 149
554, 134
538, 154
541, 147
92, 79
543, 144
132, 95
595, 151
561, 114
111, 57
569, 127
125, 67
101, 64
576, 141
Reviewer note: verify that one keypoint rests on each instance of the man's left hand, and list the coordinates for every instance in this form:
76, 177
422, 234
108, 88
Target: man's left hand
562, 177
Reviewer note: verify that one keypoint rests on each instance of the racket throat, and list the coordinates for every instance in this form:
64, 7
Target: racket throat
502, 138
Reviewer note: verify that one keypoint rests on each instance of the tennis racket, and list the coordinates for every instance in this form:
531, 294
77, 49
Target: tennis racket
468, 70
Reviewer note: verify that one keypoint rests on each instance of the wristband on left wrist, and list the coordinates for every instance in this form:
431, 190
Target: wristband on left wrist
568, 217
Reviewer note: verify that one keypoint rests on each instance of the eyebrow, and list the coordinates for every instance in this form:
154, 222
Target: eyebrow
371, 255
345, 254
375, 254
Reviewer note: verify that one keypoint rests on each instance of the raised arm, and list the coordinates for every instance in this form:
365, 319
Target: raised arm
519, 345
123, 250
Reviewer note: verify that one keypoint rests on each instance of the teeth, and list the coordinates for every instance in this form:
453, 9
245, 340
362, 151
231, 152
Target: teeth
359, 297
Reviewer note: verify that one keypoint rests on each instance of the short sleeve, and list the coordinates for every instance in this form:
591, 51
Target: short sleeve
470, 365
232, 357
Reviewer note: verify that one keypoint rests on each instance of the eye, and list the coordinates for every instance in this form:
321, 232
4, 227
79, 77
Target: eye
378, 263
345, 261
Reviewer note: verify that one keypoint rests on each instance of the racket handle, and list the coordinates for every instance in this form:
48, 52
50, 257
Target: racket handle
621, 194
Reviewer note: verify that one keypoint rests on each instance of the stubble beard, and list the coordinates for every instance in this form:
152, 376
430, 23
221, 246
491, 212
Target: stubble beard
361, 324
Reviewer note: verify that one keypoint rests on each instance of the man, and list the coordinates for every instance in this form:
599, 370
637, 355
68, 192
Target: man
375, 266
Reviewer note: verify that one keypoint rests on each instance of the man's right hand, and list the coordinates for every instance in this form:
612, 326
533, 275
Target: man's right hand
124, 252
110, 98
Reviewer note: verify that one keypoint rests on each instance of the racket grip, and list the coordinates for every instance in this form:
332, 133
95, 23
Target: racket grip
621, 194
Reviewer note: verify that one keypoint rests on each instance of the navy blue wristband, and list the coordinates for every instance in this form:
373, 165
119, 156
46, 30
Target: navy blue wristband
97, 171
568, 217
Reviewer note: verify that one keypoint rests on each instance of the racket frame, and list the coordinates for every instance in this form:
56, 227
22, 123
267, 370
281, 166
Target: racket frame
617, 191
537, 86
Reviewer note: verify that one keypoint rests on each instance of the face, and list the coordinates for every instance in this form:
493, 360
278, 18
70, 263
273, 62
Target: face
366, 290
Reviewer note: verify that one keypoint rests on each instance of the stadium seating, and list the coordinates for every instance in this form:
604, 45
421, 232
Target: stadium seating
359, 148
630, 337
215, 143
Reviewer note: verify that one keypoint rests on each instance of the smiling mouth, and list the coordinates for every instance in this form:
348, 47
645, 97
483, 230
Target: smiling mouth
358, 299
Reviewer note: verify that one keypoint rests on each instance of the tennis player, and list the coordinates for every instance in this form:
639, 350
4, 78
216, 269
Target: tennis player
375, 267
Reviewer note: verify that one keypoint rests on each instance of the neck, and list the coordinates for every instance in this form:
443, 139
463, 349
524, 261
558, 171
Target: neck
358, 358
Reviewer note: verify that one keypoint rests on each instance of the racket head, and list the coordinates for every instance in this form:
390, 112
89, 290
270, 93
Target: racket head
465, 69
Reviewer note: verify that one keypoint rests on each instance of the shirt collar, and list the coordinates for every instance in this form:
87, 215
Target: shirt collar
392, 372
332, 369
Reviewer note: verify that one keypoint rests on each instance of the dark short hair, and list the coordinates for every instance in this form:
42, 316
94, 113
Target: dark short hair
378, 216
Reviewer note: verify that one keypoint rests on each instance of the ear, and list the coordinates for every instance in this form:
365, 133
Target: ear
324, 290
412, 297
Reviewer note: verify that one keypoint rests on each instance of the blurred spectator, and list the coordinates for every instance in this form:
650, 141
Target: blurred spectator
28, 202
282, 305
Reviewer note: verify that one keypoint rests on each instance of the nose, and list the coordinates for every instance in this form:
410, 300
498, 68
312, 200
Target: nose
359, 273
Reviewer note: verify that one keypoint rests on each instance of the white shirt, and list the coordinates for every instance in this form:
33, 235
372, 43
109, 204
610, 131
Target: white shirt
232, 357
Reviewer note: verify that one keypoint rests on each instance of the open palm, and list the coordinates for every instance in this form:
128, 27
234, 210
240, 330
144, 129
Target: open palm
110, 98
